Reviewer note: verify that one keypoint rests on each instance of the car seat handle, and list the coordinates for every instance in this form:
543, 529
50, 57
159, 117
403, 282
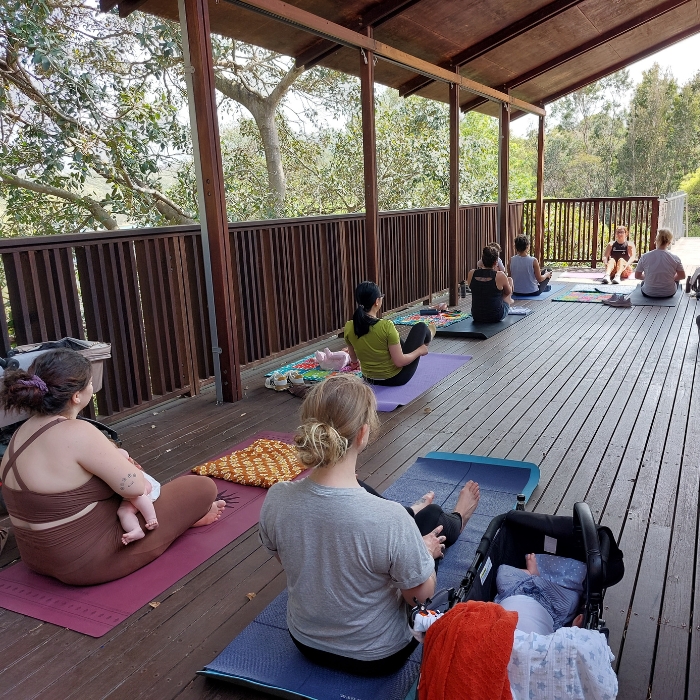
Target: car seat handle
586, 532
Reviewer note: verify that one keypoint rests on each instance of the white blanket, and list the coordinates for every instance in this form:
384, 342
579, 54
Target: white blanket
571, 664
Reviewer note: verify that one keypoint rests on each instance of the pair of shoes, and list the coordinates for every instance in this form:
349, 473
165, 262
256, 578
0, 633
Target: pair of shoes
618, 301
606, 279
277, 381
616, 279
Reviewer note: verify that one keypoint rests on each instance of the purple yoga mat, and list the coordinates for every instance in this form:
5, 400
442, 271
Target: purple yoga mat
431, 369
95, 610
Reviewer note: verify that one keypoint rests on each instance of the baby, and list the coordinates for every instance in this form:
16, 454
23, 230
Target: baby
139, 504
546, 594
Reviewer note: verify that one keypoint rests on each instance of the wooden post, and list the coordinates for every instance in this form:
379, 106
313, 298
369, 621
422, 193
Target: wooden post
539, 206
596, 228
369, 150
219, 266
453, 262
654, 223
503, 165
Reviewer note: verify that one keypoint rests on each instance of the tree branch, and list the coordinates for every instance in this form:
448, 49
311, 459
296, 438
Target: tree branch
92, 205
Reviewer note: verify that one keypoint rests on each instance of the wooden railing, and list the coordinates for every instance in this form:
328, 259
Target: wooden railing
144, 292
576, 231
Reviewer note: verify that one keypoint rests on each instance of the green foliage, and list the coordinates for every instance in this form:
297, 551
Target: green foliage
691, 185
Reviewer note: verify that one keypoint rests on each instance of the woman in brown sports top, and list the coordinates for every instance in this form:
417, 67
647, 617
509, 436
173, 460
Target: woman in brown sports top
63, 481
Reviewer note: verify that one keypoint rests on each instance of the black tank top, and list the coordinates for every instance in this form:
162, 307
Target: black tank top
619, 250
487, 298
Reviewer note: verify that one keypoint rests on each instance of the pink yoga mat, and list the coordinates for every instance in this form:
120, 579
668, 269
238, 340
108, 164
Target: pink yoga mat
95, 610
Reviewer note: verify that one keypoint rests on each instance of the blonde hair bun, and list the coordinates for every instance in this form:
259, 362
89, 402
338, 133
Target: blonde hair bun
332, 415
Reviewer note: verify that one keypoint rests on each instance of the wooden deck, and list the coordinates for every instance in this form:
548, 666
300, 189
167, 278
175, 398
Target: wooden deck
600, 398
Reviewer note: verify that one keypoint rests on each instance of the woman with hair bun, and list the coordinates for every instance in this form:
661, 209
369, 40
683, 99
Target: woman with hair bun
491, 289
63, 481
352, 559
375, 345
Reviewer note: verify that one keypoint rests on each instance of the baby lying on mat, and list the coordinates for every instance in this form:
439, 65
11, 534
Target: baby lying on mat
546, 594
140, 504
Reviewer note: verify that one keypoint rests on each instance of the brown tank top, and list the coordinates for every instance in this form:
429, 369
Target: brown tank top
40, 508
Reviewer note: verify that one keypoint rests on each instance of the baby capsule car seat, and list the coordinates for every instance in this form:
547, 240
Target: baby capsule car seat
511, 536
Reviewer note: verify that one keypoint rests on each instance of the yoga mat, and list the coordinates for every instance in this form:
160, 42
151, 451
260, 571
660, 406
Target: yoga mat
95, 610
432, 368
593, 297
264, 657
440, 320
638, 299
604, 288
309, 369
545, 295
478, 331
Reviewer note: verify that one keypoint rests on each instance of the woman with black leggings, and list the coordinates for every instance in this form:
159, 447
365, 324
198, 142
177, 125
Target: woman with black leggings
374, 343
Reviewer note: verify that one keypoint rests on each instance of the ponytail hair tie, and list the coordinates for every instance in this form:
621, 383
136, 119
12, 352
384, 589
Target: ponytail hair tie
35, 381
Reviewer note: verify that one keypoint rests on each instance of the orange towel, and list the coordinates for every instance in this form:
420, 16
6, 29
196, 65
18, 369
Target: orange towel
466, 654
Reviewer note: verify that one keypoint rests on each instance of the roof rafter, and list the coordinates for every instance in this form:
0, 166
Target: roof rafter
499, 38
616, 67
374, 17
624, 28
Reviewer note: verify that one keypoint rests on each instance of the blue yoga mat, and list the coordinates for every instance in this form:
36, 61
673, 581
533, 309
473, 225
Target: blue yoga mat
264, 657
545, 295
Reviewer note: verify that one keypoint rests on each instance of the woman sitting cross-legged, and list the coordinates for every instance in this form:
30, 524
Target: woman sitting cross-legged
528, 280
63, 482
491, 290
375, 345
353, 559
660, 269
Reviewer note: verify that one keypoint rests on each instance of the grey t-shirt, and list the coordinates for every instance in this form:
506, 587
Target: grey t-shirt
347, 554
659, 268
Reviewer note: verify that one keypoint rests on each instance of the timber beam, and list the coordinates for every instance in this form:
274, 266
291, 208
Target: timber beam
296, 17
503, 36
374, 17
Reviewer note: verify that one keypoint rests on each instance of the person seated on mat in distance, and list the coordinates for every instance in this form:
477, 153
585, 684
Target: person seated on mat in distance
63, 481
491, 290
618, 257
528, 280
353, 559
499, 264
375, 344
660, 269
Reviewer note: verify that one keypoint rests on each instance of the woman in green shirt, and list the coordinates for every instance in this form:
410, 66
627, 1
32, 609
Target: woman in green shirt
374, 343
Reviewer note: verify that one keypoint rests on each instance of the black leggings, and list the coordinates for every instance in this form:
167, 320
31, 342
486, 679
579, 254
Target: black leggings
648, 296
378, 667
428, 518
419, 335
544, 287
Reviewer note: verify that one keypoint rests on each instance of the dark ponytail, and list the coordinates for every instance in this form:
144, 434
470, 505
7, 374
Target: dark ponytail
366, 294
46, 388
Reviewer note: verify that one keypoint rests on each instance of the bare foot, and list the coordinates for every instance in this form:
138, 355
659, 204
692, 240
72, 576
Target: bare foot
468, 501
151, 524
577, 621
137, 534
423, 501
214, 513
531, 565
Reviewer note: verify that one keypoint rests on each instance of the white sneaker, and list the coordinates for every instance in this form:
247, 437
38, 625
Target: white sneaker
606, 279
616, 279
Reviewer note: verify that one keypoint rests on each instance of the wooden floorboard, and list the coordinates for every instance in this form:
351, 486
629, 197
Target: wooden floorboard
600, 398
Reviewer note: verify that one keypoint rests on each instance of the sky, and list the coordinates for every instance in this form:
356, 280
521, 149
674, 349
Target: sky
682, 59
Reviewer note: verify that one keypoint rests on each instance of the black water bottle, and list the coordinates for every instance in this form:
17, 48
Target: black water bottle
520, 505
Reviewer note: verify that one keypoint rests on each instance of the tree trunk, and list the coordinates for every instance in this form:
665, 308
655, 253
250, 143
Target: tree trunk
273, 156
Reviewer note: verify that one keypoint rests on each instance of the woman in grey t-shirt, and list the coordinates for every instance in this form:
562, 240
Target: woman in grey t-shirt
352, 559
660, 269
